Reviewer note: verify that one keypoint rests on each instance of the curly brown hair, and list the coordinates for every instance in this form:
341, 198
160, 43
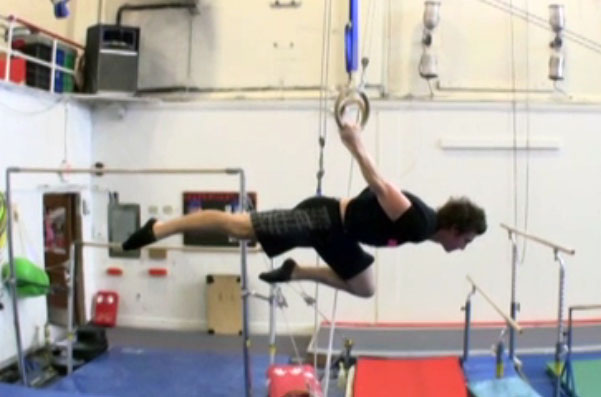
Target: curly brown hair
463, 215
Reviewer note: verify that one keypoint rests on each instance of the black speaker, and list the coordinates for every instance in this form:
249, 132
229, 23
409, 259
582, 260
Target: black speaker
112, 58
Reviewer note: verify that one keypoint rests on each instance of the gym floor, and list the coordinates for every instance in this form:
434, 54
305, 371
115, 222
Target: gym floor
154, 362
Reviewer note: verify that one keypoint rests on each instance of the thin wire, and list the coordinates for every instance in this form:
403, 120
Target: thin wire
542, 23
323, 99
514, 121
295, 347
527, 176
322, 127
369, 27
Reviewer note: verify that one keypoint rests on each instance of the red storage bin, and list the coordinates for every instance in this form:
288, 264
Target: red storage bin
106, 304
17, 69
293, 380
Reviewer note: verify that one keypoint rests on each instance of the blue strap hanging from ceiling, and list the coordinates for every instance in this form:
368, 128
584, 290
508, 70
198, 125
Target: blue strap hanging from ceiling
351, 37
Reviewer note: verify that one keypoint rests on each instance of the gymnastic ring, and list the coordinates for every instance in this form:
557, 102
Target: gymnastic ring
351, 96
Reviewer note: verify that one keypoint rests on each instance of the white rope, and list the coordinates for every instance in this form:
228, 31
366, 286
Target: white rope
322, 128
330, 345
294, 346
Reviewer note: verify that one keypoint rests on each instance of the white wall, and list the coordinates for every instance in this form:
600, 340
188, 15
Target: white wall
230, 44
276, 144
35, 133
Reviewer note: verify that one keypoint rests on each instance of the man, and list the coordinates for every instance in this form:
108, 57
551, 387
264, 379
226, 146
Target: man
381, 215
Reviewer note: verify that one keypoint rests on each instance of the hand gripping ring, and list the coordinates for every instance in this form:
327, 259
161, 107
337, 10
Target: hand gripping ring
351, 96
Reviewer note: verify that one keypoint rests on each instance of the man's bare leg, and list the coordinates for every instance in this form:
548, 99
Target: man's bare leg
236, 225
360, 285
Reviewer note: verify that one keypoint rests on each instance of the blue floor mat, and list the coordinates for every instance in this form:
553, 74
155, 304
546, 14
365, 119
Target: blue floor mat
9, 390
534, 367
137, 372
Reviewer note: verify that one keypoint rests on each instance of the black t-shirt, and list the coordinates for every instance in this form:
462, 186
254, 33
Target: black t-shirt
366, 221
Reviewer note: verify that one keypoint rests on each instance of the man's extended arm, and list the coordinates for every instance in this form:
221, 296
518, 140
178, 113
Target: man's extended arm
392, 200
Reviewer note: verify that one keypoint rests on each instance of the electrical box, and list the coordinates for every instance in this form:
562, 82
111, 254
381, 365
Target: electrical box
112, 58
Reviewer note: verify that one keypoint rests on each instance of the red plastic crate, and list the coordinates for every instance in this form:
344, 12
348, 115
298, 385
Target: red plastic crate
293, 380
106, 305
17, 69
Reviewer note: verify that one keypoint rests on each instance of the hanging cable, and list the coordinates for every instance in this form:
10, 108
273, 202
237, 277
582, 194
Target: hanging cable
323, 131
527, 111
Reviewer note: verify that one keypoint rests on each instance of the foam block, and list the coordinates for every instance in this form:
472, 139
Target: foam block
431, 377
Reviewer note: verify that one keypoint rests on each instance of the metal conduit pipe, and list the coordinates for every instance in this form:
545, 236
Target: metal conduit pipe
190, 5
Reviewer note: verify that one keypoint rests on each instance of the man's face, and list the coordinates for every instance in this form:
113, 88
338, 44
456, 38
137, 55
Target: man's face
454, 240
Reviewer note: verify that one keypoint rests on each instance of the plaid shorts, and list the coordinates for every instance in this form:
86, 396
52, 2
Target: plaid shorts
316, 223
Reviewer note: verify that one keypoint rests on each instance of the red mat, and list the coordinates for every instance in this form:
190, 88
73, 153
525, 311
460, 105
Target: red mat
434, 377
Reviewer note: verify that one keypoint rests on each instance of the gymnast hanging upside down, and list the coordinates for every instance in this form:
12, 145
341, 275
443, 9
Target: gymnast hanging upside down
381, 215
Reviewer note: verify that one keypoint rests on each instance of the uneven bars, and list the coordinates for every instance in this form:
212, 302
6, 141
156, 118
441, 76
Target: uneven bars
163, 247
125, 170
584, 307
542, 241
511, 322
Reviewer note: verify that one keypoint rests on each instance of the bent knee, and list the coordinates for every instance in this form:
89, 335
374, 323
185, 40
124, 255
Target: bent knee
364, 291
240, 226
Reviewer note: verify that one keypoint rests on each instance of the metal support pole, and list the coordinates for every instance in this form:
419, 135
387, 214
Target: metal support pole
73, 253
330, 345
11, 27
514, 304
53, 66
272, 312
467, 327
500, 365
567, 366
559, 348
244, 286
12, 281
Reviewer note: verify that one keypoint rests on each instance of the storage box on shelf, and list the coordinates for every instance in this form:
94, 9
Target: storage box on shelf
40, 47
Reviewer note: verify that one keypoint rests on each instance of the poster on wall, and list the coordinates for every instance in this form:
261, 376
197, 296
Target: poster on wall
55, 220
222, 201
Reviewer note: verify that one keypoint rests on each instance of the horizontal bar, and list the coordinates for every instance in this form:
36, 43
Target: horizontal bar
124, 170
182, 248
584, 307
511, 322
539, 240
46, 32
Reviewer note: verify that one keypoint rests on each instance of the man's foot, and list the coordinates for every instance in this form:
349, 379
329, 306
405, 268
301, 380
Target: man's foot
141, 237
281, 274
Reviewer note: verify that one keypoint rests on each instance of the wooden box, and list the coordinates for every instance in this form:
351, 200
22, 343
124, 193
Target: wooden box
224, 304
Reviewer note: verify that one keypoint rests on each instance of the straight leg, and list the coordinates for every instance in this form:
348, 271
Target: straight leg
360, 285
237, 225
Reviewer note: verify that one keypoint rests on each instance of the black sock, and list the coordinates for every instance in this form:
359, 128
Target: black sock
141, 237
282, 273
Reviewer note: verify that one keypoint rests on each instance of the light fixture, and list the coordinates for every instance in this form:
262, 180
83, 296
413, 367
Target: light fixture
556, 60
556, 17
428, 64
431, 14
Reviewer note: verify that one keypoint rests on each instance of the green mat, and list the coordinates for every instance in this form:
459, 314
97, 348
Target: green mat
587, 376
31, 280
504, 387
